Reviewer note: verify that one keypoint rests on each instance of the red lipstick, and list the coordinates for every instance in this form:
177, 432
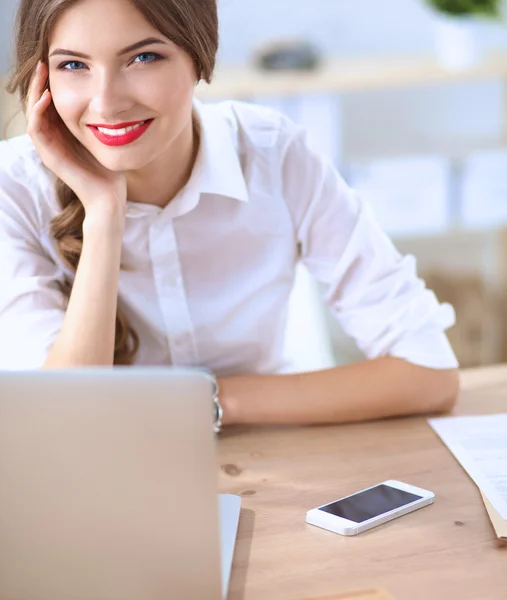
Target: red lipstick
127, 137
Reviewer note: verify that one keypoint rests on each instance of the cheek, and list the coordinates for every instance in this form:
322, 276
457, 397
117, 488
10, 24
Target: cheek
68, 103
173, 87
171, 97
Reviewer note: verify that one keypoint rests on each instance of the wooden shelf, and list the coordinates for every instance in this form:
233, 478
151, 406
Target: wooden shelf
341, 76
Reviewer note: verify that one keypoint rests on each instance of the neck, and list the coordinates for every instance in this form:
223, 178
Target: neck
156, 183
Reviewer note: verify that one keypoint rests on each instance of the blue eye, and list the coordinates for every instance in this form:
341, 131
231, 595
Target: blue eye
147, 57
72, 65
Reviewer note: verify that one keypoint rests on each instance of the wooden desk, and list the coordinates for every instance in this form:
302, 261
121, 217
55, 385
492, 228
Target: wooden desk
448, 550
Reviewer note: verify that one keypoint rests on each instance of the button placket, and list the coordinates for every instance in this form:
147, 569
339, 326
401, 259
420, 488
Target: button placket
172, 294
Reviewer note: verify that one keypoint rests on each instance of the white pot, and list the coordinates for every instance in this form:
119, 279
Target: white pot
457, 42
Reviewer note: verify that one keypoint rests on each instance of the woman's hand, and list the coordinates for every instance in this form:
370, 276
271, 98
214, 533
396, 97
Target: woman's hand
100, 190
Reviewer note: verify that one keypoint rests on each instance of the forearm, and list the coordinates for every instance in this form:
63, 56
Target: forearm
373, 389
87, 337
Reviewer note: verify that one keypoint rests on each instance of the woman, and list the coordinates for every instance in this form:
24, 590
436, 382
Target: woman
139, 226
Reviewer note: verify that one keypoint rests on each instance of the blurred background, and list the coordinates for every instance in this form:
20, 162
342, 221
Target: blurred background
408, 98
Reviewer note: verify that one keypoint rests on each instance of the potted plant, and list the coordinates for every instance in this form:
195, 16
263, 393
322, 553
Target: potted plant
457, 25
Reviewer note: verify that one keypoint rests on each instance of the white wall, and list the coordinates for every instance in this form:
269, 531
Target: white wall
7, 9
346, 27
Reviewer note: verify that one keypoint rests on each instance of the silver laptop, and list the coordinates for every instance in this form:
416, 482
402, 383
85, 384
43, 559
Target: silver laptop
108, 487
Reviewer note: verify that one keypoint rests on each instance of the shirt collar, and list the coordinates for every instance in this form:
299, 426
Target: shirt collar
219, 164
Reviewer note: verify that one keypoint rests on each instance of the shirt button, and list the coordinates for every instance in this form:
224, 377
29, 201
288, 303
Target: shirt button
173, 281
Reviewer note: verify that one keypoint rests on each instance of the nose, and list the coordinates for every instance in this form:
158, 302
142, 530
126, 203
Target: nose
110, 97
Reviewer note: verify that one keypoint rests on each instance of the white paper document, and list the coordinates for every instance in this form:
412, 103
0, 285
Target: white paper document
480, 445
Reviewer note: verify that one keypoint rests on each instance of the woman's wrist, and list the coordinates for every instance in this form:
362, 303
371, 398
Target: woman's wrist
228, 400
105, 221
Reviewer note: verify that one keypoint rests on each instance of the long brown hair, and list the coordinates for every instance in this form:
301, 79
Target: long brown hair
191, 24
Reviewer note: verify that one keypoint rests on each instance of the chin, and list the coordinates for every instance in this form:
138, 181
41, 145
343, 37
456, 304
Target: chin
122, 163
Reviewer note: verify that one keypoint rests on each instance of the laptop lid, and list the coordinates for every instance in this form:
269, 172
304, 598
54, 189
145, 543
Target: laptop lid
230, 509
108, 486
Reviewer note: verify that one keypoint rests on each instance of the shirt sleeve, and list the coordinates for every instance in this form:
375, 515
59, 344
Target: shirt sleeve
32, 304
372, 290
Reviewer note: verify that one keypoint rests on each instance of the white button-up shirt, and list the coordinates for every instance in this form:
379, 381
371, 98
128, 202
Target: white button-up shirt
205, 281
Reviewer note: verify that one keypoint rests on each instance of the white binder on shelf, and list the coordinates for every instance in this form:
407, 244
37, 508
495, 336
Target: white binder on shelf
484, 189
409, 195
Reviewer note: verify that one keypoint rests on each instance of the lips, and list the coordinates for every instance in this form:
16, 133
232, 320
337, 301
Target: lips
122, 134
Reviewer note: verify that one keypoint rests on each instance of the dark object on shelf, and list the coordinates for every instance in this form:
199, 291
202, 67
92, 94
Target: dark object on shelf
289, 56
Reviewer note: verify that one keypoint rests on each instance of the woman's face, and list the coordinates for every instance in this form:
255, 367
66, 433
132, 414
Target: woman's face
109, 67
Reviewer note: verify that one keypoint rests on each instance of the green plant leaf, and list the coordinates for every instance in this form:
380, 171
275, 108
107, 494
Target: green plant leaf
487, 8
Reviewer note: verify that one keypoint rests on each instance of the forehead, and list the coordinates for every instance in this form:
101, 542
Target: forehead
100, 24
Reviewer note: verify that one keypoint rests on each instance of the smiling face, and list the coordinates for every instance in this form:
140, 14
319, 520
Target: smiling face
122, 88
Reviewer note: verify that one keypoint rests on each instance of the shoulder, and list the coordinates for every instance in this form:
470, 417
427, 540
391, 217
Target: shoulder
254, 126
26, 187
19, 158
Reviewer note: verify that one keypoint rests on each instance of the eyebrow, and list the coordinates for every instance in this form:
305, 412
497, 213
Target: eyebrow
142, 44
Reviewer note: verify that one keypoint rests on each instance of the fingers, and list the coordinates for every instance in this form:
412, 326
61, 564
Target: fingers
37, 113
42, 105
39, 99
37, 86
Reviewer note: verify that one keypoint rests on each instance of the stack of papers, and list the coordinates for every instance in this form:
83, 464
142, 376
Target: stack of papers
480, 445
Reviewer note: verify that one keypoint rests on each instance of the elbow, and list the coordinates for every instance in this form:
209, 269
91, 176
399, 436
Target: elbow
432, 390
446, 390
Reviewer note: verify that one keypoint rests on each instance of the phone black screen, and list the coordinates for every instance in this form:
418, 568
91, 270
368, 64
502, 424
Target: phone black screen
371, 503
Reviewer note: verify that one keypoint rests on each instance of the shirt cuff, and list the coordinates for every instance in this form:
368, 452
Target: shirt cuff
431, 350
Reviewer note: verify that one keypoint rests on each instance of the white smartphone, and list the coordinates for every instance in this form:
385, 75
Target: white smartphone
371, 507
